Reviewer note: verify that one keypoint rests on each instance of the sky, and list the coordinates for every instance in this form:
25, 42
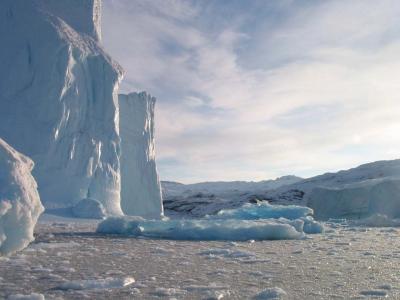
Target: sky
257, 89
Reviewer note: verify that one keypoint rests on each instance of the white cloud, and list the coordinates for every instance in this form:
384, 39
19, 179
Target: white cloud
314, 89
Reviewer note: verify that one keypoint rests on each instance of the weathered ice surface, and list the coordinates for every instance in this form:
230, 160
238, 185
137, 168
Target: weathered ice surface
20, 205
82, 15
58, 98
140, 186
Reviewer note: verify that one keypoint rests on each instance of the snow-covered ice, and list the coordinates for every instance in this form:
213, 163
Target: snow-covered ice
20, 205
140, 186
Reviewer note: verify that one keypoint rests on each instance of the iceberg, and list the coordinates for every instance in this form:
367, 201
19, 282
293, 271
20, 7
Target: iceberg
140, 185
58, 98
205, 230
20, 205
359, 200
231, 225
264, 210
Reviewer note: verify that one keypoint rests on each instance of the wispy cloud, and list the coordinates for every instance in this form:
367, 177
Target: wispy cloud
257, 89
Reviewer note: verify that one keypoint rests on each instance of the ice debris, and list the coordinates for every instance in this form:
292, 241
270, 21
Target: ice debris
96, 284
33, 296
271, 293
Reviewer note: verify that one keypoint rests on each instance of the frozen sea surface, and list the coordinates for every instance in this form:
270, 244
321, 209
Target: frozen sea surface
69, 261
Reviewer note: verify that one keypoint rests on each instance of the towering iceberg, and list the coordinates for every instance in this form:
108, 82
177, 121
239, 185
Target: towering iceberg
20, 205
140, 186
58, 98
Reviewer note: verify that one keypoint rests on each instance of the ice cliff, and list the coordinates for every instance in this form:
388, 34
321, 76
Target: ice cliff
359, 200
59, 105
140, 186
20, 205
58, 97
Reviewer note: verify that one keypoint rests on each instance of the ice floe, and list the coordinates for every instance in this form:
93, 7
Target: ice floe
271, 293
250, 222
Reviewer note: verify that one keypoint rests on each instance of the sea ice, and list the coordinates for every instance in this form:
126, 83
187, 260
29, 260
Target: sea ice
271, 293
20, 205
226, 253
374, 293
33, 296
95, 284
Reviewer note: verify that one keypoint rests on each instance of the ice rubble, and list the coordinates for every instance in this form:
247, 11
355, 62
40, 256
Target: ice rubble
140, 186
359, 200
271, 293
376, 220
251, 222
96, 284
33, 296
59, 102
20, 205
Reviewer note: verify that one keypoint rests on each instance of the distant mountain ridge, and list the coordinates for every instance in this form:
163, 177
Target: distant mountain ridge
209, 197
221, 186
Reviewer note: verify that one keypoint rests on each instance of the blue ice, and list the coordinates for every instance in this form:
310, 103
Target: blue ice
250, 222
